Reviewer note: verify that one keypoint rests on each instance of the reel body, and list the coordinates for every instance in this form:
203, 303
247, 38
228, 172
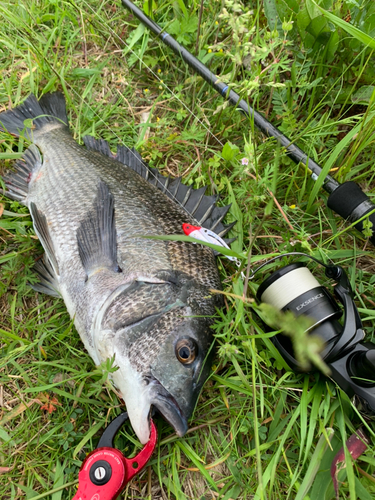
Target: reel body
293, 288
352, 362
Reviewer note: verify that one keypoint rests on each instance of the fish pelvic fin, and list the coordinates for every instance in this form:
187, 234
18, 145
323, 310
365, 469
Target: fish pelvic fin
17, 181
96, 236
34, 117
48, 281
42, 230
202, 207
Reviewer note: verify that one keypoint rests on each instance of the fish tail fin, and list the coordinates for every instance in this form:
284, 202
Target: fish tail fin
34, 117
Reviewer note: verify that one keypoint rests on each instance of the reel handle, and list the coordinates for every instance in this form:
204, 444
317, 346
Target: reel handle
354, 378
352, 332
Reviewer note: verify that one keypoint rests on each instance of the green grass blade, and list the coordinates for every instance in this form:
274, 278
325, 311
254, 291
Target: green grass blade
337, 151
94, 429
178, 237
346, 26
58, 481
314, 465
13, 336
191, 455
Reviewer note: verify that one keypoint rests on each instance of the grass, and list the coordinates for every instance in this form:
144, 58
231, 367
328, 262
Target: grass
259, 431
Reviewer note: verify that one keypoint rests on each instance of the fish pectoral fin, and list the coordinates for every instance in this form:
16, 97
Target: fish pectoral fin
48, 281
96, 236
42, 230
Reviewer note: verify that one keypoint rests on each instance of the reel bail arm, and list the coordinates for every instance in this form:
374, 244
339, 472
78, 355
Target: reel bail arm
352, 332
351, 361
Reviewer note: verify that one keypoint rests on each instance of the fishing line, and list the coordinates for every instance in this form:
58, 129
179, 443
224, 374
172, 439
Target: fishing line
114, 34
168, 88
96, 114
293, 222
346, 199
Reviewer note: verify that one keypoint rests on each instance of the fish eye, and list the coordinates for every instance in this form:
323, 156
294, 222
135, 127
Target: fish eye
186, 351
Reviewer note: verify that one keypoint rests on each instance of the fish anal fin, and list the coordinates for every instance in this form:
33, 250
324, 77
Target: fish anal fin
48, 281
17, 181
42, 230
96, 236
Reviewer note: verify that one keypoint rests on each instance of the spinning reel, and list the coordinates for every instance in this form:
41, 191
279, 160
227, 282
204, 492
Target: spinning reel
351, 361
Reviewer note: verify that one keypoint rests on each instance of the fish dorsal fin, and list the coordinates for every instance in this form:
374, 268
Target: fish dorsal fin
42, 230
17, 181
96, 236
202, 207
99, 145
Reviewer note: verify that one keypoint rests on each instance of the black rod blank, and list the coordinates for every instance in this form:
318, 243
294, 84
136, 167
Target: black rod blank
347, 199
294, 152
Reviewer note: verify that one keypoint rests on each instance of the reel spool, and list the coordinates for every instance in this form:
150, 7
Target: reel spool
352, 362
294, 288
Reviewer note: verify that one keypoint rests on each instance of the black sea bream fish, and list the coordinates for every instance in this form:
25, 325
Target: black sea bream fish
144, 302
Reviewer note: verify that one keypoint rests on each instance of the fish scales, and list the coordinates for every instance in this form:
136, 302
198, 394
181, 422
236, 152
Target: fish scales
146, 211
146, 303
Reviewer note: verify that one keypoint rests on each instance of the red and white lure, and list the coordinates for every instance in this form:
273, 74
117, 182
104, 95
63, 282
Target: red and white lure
203, 234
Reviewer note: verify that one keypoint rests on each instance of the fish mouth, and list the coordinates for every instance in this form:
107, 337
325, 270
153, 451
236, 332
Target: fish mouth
168, 407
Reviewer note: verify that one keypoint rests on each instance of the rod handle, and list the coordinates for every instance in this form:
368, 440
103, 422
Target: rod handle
349, 201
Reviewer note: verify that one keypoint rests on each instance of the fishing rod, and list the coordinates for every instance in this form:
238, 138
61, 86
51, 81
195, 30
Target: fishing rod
346, 199
351, 361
